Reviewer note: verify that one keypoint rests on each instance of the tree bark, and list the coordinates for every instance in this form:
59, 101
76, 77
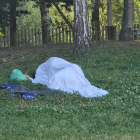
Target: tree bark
44, 22
82, 38
13, 33
126, 33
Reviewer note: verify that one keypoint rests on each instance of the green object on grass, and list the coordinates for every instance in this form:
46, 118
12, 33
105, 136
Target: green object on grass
16, 74
136, 34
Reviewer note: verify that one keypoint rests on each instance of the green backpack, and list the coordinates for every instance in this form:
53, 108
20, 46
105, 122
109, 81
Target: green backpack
16, 74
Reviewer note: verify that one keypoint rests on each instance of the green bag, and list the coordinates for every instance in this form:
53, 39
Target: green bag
16, 74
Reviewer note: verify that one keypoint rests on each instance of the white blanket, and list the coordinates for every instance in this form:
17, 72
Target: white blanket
57, 73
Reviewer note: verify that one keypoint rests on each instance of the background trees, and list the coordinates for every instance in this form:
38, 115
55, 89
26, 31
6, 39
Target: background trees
8, 18
59, 13
33, 20
29, 21
4, 18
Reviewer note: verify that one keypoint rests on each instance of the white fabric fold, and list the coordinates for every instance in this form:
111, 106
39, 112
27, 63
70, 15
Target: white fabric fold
57, 73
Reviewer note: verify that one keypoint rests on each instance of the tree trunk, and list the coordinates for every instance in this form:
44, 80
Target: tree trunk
82, 38
13, 33
45, 22
95, 11
126, 33
95, 17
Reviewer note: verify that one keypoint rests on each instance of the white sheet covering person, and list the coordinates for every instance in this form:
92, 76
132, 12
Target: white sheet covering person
58, 73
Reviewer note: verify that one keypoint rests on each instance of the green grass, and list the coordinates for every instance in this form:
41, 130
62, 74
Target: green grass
114, 67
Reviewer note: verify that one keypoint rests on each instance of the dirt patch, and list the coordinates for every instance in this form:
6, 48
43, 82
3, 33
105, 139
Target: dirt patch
9, 54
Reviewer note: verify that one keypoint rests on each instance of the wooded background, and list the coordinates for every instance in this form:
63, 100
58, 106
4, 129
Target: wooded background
33, 37
59, 21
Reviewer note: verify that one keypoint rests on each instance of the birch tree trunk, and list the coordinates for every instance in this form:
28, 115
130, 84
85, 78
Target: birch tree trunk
82, 38
13, 33
45, 22
126, 33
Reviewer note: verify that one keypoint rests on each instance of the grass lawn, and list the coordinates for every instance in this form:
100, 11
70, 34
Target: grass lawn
114, 67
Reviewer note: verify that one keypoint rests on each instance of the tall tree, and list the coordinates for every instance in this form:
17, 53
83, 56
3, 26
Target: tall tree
44, 9
126, 33
44, 21
13, 33
95, 11
8, 15
82, 38
95, 17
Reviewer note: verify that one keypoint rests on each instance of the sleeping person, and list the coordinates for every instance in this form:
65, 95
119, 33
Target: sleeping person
57, 73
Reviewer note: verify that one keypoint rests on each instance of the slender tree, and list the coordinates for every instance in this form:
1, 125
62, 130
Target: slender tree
13, 33
82, 38
95, 16
126, 33
44, 21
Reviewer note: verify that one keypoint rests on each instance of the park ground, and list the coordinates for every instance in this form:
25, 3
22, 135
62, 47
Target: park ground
113, 66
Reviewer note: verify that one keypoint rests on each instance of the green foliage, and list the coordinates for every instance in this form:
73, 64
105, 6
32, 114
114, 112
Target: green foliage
25, 21
111, 66
136, 11
56, 19
1, 33
32, 20
117, 8
5, 13
117, 12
